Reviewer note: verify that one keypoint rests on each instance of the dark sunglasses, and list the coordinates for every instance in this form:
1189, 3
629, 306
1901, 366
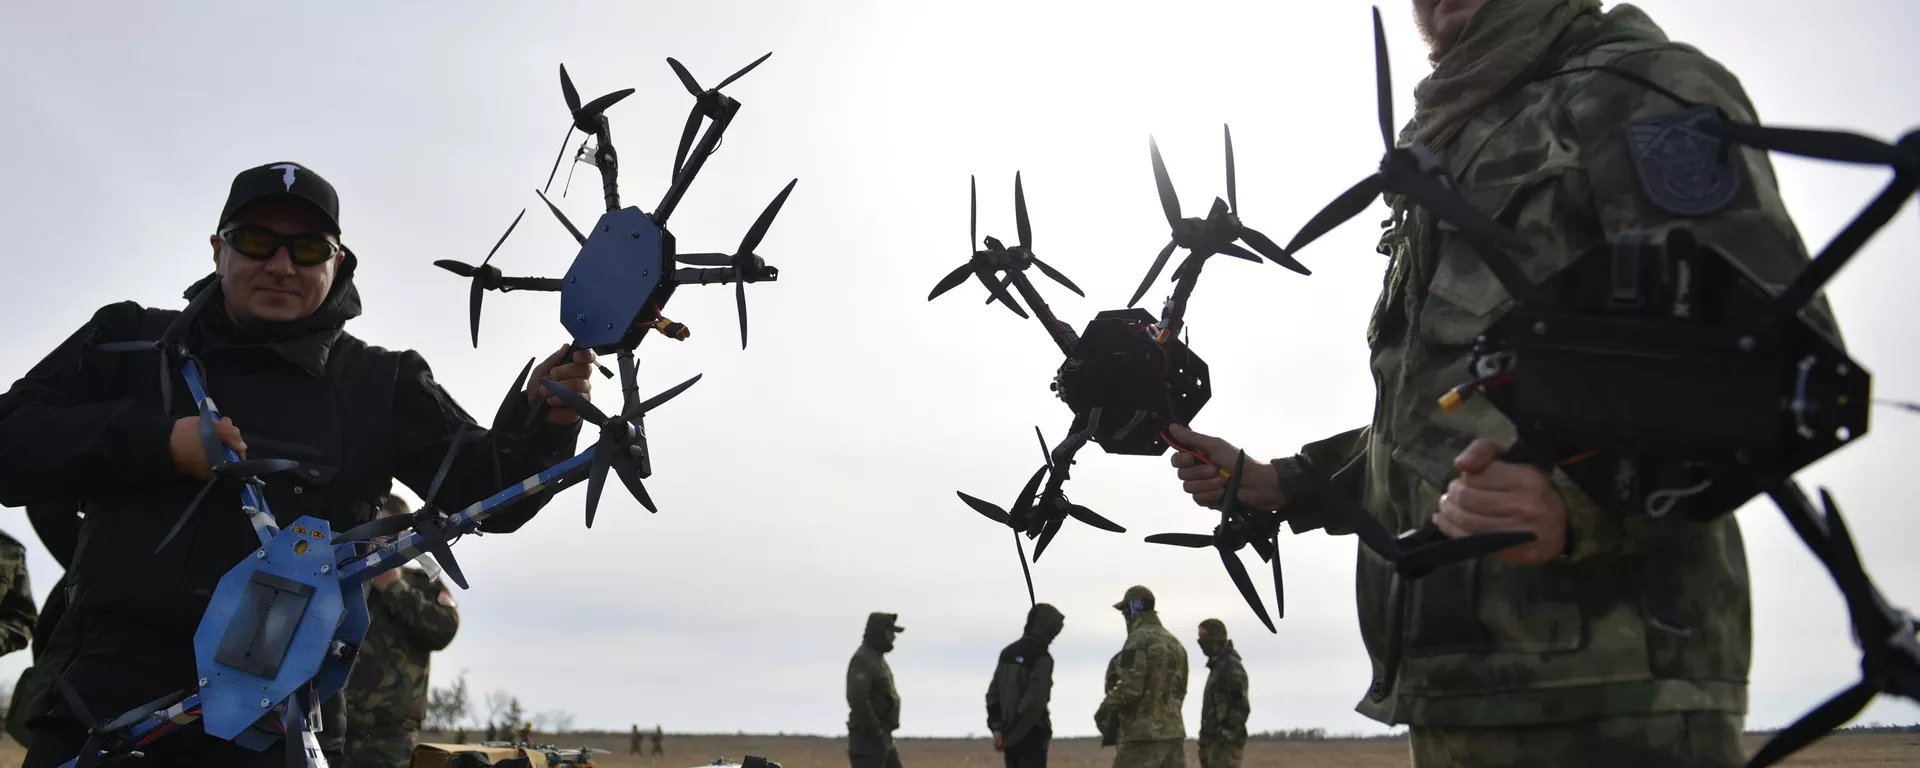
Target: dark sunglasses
260, 243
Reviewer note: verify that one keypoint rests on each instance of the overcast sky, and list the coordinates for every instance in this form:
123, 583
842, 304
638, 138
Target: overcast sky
810, 479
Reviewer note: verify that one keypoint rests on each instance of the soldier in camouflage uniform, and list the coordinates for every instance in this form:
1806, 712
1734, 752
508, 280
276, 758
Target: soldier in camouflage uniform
411, 615
1541, 111
1224, 707
873, 702
1142, 706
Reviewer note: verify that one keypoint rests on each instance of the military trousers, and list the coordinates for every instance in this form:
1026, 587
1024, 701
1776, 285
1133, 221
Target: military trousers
1222, 754
384, 749
1691, 739
865, 751
1171, 753
1030, 752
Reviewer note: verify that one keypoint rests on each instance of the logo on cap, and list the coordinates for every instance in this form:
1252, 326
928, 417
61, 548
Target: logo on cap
288, 176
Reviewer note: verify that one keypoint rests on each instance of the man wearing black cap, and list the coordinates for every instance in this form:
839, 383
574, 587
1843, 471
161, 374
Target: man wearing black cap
267, 332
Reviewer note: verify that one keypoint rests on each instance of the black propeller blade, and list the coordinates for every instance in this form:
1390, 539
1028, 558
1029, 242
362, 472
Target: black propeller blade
1215, 234
622, 440
704, 103
746, 264
584, 118
575, 231
1235, 531
974, 265
1025, 247
485, 277
1412, 172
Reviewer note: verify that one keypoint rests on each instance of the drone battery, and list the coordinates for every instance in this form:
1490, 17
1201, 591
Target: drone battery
256, 640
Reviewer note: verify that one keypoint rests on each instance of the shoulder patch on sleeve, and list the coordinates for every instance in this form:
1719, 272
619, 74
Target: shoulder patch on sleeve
1683, 169
1126, 658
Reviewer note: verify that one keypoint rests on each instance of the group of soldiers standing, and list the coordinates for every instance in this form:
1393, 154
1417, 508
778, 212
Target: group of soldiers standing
1140, 713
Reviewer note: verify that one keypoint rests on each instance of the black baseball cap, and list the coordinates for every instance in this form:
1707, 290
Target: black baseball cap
283, 180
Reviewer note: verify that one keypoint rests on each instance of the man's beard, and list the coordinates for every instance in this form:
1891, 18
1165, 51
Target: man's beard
1437, 45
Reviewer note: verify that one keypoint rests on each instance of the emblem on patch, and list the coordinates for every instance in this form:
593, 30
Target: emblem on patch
1684, 169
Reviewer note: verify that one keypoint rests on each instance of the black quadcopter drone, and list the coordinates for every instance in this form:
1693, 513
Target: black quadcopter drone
1664, 379
619, 285
1128, 375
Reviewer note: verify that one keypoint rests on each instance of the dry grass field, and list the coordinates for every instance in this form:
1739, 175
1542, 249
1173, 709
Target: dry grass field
1842, 751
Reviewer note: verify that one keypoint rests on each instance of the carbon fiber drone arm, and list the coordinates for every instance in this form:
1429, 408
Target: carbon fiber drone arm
519, 443
357, 568
1062, 334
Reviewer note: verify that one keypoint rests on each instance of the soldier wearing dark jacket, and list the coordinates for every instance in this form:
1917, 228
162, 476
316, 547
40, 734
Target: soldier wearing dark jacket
291, 384
1567, 123
410, 615
1022, 686
873, 703
1224, 707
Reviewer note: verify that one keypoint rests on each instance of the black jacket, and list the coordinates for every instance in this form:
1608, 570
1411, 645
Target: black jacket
88, 424
1022, 687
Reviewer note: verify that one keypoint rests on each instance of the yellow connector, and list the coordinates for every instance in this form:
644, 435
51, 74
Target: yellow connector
671, 329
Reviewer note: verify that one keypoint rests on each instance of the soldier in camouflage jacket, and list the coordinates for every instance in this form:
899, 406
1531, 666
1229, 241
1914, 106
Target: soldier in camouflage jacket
1560, 121
873, 703
410, 616
1143, 705
1224, 707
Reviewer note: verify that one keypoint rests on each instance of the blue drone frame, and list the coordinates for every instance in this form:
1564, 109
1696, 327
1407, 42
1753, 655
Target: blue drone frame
282, 628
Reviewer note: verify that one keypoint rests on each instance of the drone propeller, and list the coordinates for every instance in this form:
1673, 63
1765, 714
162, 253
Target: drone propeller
1015, 519
705, 101
974, 265
622, 443
585, 118
1025, 247
1235, 531
746, 264
1890, 648
484, 277
430, 522
110, 736
1416, 174
169, 342
1215, 234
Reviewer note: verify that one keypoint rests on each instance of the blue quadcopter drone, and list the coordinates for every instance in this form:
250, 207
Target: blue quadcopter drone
283, 626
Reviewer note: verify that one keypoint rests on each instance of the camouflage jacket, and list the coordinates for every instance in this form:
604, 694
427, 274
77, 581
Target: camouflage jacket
387, 691
17, 614
873, 703
1224, 707
1144, 703
1488, 644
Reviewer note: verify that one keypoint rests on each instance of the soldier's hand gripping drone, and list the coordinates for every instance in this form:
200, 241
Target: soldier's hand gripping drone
282, 627
1129, 375
619, 284
1665, 379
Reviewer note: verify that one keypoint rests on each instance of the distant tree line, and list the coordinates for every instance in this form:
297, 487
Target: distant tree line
1874, 727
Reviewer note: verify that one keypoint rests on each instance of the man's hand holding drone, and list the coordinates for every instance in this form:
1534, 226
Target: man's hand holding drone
1492, 495
575, 374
